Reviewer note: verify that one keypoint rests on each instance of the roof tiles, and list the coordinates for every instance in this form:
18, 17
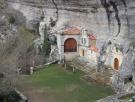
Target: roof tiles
72, 31
94, 48
92, 37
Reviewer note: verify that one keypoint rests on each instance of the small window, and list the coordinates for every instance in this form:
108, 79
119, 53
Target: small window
84, 40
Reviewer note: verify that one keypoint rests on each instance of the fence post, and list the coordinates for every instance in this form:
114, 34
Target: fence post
73, 69
65, 66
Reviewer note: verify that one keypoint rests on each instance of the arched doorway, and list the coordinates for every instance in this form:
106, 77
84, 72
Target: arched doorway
82, 52
116, 64
70, 45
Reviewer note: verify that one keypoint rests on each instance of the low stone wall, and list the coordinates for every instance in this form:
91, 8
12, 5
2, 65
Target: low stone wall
116, 97
23, 98
70, 56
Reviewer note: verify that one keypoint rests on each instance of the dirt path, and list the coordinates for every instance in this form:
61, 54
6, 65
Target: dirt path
34, 95
38, 95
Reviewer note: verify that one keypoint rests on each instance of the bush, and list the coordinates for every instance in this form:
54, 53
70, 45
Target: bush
11, 19
27, 35
2, 4
46, 45
13, 97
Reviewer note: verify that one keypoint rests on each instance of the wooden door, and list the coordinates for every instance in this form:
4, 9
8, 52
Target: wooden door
116, 64
70, 45
82, 52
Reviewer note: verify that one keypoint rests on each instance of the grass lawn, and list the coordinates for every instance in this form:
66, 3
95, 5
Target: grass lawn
60, 85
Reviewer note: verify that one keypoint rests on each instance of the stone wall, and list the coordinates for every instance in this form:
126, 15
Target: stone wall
60, 42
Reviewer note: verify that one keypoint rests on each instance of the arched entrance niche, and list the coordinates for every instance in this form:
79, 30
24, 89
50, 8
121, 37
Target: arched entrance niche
70, 45
116, 64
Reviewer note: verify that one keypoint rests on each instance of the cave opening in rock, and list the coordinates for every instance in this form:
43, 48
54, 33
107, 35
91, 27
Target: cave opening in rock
116, 64
128, 79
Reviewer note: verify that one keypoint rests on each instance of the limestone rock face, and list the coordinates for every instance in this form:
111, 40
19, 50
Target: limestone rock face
107, 19
104, 18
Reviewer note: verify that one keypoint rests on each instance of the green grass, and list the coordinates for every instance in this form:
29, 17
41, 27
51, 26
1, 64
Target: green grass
65, 86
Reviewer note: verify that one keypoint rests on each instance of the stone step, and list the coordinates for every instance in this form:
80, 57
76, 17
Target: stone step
101, 79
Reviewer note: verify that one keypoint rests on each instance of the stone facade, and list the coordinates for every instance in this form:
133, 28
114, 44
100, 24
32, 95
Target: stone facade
61, 38
114, 56
88, 47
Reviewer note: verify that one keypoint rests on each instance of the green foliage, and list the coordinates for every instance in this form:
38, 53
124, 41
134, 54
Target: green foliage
27, 35
46, 45
11, 19
26, 49
2, 4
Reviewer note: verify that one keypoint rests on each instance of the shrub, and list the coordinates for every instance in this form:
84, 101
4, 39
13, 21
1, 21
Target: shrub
46, 45
27, 35
2, 4
11, 19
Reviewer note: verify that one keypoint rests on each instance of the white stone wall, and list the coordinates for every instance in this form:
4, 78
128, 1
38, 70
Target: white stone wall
88, 54
60, 43
81, 49
91, 55
111, 55
84, 36
70, 55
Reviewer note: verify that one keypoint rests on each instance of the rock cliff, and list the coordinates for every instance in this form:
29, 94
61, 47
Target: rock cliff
107, 19
103, 18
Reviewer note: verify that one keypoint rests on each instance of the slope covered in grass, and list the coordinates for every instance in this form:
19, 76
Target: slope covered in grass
60, 85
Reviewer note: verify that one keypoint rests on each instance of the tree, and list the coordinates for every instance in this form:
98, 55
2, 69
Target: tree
11, 19
46, 45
